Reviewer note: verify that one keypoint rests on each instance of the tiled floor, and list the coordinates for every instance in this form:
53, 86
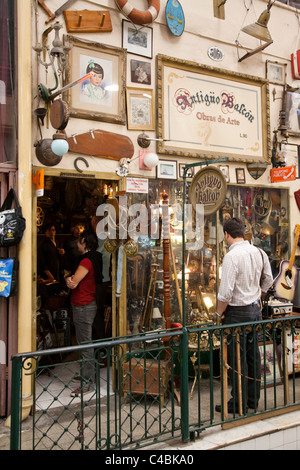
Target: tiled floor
54, 390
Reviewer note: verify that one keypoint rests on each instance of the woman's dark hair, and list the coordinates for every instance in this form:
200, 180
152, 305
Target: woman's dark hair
234, 227
94, 67
90, 240
49, 225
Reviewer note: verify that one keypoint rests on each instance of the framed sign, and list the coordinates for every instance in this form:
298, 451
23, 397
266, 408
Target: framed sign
211, 113
137, 41
101, 97
140, 109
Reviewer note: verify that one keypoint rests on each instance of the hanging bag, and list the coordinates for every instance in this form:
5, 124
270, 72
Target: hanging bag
12, 223
8, 277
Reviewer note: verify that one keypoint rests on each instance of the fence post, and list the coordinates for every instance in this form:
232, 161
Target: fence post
184, 385
15, 403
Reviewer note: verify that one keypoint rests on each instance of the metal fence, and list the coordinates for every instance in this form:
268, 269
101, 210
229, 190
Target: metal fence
155, 387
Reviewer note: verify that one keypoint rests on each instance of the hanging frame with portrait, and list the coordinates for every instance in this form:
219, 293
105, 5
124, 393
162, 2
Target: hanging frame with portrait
102, 97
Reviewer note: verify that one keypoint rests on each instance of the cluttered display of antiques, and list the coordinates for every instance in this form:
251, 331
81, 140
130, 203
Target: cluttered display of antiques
154, 265
67, 208
265, 213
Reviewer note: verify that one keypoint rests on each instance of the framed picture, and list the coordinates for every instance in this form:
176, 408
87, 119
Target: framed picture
207, 112
270, 367
291, 117
276, 72
240, 175
140, 72
102, 96
137, 41
166, 169
189, 174
225, 171
140, 109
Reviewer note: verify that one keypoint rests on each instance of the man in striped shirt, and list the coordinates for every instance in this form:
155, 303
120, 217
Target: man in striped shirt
246, 273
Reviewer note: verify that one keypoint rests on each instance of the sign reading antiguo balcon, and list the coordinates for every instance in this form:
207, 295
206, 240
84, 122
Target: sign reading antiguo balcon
208, 188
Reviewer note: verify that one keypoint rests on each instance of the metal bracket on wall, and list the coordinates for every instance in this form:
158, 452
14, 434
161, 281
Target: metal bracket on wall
219, 9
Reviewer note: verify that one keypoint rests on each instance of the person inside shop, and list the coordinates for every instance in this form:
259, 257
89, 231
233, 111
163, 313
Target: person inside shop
246, 274
99, 327
71, 249
50, 259
84, 283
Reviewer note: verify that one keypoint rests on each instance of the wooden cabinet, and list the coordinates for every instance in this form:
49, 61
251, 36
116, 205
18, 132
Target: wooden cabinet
146, 376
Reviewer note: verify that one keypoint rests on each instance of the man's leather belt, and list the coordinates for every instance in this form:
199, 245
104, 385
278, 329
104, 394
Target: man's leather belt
244, 306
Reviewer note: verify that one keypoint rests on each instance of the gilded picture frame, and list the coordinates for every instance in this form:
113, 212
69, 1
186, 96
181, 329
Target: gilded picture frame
140, 109
210, 113
100, 102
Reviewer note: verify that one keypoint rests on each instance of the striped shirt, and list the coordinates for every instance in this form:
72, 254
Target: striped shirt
241, 271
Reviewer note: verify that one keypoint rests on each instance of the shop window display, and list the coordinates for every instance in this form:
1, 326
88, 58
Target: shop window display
265, 213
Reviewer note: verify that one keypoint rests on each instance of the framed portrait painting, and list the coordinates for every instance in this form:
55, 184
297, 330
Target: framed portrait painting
140, 72
140, 109
102, 96
137, 41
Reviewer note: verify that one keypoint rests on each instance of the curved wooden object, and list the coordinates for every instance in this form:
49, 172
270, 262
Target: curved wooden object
98, 143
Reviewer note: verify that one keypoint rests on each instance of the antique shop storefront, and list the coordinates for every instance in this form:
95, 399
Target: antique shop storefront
112, 110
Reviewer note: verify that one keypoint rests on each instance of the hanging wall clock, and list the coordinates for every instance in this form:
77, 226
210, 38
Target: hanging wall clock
175, 17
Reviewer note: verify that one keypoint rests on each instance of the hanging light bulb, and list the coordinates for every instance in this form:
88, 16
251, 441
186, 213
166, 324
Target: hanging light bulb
59, 145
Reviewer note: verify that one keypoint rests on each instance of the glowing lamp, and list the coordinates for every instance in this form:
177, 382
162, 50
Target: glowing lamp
151, 160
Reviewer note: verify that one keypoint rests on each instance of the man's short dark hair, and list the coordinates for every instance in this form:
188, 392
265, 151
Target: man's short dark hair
234, 227
90, 239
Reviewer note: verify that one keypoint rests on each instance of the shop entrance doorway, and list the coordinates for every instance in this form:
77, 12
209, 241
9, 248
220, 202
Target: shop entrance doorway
67, 207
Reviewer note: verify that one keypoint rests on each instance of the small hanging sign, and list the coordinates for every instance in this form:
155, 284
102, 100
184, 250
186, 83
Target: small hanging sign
208, 188
287, 173
38, 180
137, 185
175, 17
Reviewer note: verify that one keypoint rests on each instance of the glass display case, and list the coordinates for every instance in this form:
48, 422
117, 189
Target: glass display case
265, 214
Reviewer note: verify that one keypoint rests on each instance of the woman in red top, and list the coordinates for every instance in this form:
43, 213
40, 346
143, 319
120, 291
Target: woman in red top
83, 284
